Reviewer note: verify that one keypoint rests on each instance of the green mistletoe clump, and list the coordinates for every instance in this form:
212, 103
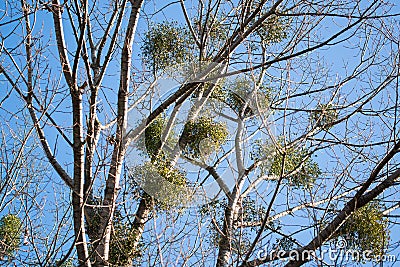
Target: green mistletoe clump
323, 116
165, 45
10, 235
366, 229
197, 132
299, 169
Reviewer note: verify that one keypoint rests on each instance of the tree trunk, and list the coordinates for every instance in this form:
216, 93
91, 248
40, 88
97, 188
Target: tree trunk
114, 175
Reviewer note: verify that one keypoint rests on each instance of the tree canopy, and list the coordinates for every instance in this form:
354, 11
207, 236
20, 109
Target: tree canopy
199, 133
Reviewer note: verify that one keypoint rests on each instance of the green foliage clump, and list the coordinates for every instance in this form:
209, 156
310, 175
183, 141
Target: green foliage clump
236, 102
10, 235
162, 183
165, 45
122, 244
323, 116
196, 132
215, 28
153, 134
273, 30
169, 173
366, 229
123, 236
235, 94
299, 170
264, 153
250, 212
